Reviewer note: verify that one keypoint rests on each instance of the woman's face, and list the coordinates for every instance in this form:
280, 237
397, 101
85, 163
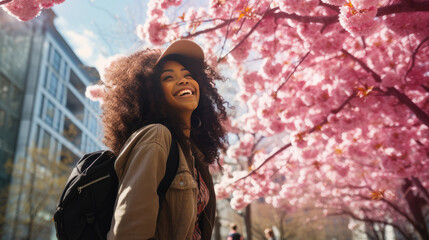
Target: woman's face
181, 90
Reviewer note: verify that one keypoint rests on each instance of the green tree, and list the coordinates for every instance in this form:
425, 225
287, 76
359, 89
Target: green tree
34, 191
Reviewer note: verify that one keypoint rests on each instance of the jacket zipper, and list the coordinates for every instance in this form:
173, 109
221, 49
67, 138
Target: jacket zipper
79, 189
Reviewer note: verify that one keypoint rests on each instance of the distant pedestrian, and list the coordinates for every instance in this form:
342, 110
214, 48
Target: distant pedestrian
234, 235
269, 234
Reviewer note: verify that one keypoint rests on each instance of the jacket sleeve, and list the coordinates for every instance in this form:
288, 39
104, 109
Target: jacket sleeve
136, 208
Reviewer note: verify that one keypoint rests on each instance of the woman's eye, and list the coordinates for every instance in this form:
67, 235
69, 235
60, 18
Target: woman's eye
166, 78
188, 76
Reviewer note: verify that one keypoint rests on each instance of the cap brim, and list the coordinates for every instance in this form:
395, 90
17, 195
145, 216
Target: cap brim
183, 47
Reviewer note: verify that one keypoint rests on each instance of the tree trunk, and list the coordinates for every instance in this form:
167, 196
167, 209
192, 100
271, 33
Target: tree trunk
30, 229
248, 222
217, 228
416, 204
282, 216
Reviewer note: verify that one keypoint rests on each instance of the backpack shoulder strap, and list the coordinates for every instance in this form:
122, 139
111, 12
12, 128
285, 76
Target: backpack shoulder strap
170, 172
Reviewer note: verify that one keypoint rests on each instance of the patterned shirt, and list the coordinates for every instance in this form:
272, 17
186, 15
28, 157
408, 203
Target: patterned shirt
202, 201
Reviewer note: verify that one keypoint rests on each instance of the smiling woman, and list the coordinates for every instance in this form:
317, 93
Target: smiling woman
150, 99
181, 90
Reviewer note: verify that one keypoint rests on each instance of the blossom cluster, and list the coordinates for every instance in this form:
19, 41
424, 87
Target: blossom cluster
25, 10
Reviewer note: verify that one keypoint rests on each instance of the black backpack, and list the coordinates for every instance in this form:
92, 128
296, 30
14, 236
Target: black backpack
85, 208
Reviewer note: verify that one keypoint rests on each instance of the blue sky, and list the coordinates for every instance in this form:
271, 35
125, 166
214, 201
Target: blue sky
97, 29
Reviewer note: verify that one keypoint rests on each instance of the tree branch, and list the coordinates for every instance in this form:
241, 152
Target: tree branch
403, 7
209, 29
404, 99
247, 35
5, 1
413, 56
398, 210
391, 9
421, 187
293, 71
332, 7
264, 162
308, 19
226, 35
316, 127
366, 219
376, 77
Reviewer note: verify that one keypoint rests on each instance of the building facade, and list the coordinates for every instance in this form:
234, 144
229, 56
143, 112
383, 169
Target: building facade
46, 122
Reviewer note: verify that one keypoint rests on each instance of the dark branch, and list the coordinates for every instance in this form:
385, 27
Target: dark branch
376, 77
5, 1
413, 56
391, 9
332, 7
247, 35
265, 161
425, 88
403, 7
404, 99
293, 71
316, 127
226, 35
209, 29
421, 188
308, 19
366, 219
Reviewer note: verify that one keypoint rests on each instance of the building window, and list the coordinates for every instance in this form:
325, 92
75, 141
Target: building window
46, 77
64, 71
56, 149
49, 52
59, 119
16, 96
53, 84
92, 124
56, 61
2, 118
67, 156
90, 145
61, 92
12, 125
49, 115
46, 141
42, 104
4, 88
77, 83
71, 132
74, 105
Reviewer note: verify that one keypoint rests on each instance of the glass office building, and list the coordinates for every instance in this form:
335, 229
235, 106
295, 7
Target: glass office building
46, 122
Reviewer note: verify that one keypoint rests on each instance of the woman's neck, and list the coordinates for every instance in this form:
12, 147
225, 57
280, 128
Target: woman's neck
187, 132
187, 125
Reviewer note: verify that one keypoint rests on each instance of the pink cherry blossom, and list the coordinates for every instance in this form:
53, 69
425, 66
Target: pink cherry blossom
95, 93
24, 10
335, 2
358, 22
303, 7
332, 96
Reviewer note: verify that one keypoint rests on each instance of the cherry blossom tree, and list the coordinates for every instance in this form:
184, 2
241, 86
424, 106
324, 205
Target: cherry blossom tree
336, 101
25, 10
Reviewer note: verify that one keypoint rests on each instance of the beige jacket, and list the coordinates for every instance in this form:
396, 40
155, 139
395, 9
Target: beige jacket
140, 167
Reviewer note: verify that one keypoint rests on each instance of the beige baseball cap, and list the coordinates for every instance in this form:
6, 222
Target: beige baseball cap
183, 47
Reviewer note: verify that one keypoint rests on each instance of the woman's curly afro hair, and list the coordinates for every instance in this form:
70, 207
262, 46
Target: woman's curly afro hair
134, 98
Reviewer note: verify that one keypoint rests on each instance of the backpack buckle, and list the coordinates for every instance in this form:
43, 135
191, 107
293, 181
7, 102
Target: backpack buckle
90, 217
